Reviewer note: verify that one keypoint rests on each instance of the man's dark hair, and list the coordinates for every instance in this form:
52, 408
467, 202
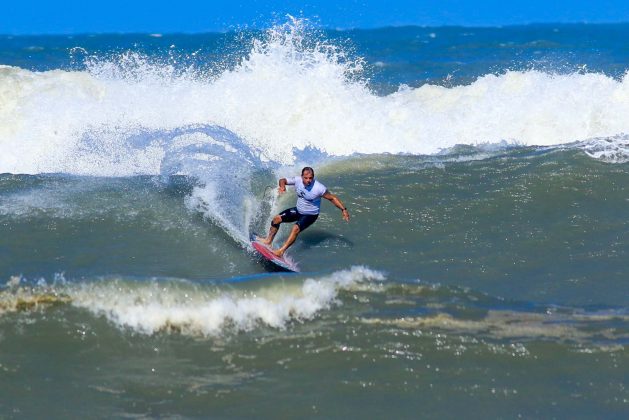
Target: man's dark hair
307, 169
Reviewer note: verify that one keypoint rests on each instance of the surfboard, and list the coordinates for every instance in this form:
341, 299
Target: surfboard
268, 256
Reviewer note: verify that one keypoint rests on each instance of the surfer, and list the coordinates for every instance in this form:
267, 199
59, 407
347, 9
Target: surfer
309, 192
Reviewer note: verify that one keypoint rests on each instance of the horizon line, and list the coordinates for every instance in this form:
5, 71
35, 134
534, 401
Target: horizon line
244, 28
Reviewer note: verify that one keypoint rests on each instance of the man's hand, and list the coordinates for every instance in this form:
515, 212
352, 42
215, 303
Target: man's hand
282, 186
345, 215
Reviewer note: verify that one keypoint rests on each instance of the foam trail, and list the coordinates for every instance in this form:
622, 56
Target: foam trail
227, 173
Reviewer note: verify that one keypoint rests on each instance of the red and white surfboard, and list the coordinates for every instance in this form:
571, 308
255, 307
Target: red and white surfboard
266, 253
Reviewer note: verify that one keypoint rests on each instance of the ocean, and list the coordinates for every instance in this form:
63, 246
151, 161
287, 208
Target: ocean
484, 272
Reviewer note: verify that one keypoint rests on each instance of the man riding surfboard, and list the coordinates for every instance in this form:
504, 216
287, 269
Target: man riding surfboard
309, 192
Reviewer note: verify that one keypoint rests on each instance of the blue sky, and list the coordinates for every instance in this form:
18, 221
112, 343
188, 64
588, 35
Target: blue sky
97, 16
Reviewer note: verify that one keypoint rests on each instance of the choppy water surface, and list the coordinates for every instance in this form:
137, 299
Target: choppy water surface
483, 272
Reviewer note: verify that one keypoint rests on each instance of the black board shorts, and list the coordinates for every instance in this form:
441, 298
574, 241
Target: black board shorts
303, 220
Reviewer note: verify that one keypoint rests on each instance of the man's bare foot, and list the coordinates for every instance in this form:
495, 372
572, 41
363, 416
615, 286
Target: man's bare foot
264, 241
278, 253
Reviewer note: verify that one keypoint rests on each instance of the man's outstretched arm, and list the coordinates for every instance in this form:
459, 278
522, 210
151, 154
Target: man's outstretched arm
338, 203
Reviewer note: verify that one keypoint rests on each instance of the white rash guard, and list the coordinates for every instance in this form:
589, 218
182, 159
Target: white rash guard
308, 199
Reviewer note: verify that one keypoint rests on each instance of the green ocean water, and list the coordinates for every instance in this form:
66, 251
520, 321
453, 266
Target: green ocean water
490, 292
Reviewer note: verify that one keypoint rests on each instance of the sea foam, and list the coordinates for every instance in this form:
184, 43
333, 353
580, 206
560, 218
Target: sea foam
206, 310
287, 94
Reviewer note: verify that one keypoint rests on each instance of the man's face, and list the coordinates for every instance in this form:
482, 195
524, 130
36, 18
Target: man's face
307, 178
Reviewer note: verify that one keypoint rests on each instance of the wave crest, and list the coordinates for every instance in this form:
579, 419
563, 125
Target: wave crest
190, 308
292, 91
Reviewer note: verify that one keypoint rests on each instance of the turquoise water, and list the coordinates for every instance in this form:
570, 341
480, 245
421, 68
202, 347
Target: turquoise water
483, 272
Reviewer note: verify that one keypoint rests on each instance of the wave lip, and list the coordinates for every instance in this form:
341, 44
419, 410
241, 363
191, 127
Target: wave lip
153, 309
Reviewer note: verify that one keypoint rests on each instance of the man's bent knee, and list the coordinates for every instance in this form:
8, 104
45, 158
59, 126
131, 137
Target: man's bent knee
277, 220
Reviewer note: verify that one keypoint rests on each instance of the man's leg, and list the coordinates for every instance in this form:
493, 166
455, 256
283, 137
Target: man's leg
275, 227
291, 238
